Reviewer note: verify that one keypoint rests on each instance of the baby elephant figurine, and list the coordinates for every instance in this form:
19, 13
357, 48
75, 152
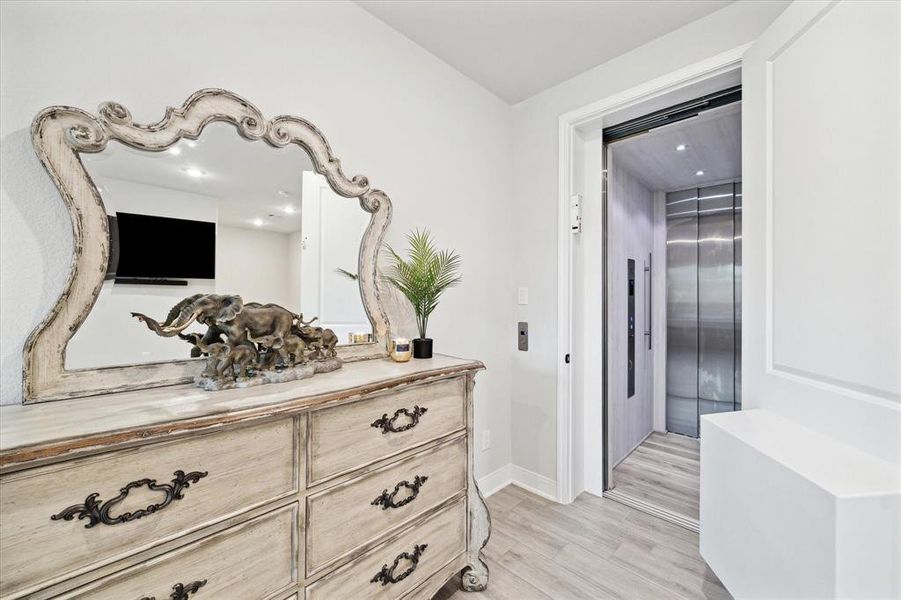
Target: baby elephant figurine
322, 341
243, 357
290, 350
223, 358
296, 349
270, 351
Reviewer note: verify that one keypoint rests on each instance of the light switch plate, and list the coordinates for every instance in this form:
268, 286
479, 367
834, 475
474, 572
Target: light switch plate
522, 295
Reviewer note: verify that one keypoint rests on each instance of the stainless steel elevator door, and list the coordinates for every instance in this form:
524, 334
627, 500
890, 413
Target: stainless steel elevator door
703, 304
682, 312
737, 248
716, 300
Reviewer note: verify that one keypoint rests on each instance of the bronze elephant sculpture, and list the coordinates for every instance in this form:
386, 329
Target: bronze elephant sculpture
224, 315
256, 339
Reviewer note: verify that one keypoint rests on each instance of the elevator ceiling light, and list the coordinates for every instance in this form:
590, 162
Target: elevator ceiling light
258, 222
699, 173
175, 151
288, 210
681, 148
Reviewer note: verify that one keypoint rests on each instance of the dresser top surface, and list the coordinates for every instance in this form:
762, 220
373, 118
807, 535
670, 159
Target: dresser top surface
35, 431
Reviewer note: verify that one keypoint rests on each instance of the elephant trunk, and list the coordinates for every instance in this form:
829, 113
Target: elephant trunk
163, 329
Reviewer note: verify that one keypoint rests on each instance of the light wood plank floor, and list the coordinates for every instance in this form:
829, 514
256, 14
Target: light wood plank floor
665, 470
593, 548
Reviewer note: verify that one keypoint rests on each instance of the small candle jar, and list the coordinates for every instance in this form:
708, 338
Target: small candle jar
361, 337
401, 350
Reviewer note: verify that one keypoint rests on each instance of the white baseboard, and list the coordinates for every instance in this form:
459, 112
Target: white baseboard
533, 482
511, 474
495, 481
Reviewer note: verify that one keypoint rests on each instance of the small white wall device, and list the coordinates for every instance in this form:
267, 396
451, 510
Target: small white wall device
575, 213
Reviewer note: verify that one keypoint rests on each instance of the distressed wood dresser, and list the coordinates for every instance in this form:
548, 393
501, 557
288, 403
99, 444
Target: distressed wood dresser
353, 484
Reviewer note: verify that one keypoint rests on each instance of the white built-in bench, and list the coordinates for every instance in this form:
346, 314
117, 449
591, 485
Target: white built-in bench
787, 512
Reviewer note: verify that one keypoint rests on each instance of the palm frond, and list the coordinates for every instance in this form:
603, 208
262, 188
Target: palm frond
346, 273
423, 275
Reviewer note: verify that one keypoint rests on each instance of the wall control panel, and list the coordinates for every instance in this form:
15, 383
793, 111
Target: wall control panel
631, 327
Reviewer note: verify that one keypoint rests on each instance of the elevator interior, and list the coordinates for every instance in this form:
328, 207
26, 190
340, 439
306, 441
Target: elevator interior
672, 292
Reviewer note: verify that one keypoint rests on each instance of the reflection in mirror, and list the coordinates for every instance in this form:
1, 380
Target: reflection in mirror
218, 215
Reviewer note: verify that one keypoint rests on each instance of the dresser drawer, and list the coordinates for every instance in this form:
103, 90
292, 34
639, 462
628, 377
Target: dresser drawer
366, 508
126, 501
419, 551
353, 435
247, 562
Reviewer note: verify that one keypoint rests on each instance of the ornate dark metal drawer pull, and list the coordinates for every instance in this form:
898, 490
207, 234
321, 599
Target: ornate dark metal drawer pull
389, 425
386, 500
97, 511
181, 591
386, 575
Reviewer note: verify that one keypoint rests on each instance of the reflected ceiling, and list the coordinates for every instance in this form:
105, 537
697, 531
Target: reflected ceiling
256, 185
670, 158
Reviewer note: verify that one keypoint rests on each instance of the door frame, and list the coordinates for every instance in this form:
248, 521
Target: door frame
574, 445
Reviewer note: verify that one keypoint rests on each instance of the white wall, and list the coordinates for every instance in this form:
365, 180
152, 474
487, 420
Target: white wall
630, 214
434, 140
295, 250
254, 264
535, 131
329, 220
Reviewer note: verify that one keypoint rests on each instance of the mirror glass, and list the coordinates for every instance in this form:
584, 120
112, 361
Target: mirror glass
218, 215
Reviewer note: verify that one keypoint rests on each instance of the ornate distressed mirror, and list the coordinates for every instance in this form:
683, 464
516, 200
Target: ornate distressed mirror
213, 199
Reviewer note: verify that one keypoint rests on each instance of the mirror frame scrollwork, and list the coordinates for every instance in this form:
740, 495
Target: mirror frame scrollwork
61, 133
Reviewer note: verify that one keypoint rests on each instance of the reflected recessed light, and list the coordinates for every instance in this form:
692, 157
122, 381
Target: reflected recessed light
175, 151
193, 172
192, 144
288, 209
258, 222
699, 173
284, 193
681, 148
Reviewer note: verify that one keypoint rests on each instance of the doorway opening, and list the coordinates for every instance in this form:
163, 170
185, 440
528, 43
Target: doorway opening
671, 197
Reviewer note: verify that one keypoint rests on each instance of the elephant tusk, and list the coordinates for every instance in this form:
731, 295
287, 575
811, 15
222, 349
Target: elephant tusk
174, 329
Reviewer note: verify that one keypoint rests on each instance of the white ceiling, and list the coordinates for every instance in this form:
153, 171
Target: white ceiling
712, 144
250, 180
517, 48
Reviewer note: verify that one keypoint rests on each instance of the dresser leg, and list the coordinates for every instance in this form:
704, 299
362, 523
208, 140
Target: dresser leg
475, 574
475, 577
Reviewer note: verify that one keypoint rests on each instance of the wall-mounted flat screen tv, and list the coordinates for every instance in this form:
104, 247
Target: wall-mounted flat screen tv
163, 248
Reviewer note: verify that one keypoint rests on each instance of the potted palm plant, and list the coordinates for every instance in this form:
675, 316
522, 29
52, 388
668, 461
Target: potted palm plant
422, 277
